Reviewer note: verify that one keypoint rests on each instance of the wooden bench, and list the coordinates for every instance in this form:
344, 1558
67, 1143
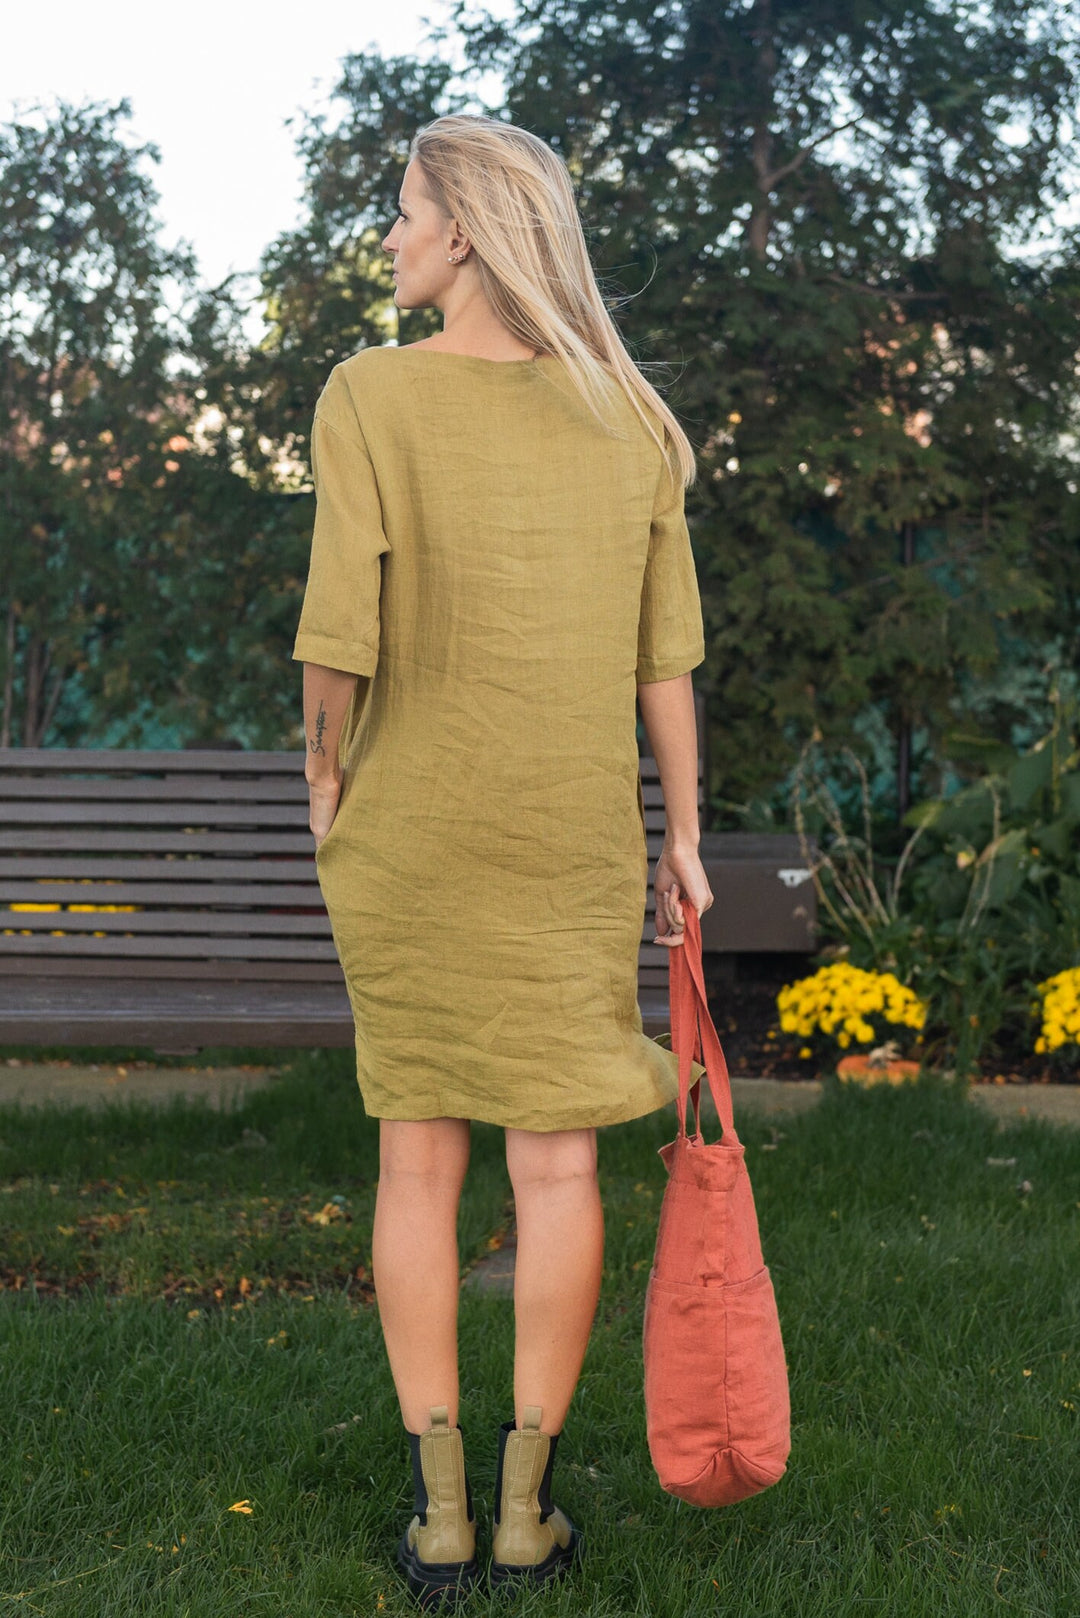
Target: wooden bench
220, 936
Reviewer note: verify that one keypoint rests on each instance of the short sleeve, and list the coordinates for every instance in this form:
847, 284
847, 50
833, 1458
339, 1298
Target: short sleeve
671, 636
339, 619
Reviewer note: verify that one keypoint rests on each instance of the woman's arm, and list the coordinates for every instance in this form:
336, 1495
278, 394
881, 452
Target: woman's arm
326, 701
667, 710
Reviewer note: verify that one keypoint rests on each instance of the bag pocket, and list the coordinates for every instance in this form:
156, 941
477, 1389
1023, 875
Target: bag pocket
756, 1378
685, 1344
716, 1389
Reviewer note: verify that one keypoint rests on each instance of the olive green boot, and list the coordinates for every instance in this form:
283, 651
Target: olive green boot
437, 1552
534, 1540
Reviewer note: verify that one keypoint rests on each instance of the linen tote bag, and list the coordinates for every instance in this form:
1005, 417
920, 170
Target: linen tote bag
717, 1409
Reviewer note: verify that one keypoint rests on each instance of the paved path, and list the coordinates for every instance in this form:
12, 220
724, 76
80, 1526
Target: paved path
94, 1084
1058, 1102
91, 1084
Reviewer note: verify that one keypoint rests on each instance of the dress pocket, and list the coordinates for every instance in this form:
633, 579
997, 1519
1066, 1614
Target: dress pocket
334, 824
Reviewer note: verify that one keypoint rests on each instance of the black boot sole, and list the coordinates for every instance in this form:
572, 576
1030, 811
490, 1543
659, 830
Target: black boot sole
436, 1584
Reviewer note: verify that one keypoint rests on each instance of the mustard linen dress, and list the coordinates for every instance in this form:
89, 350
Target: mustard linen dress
502, 573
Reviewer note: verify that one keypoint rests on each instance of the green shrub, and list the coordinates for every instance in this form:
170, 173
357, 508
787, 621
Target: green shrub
981, 904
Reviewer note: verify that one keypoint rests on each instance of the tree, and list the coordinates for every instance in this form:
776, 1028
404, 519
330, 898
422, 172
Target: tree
152, 558
86, 415
326, 285
826, 197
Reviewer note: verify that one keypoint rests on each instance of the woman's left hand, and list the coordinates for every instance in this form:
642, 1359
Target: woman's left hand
323, 797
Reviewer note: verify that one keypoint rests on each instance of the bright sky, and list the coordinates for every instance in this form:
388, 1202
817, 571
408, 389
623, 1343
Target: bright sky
211, 87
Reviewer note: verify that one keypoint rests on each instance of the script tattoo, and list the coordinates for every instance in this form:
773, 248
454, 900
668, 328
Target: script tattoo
316, 742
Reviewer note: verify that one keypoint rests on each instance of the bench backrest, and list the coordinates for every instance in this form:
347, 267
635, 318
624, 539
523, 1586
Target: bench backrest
206, 856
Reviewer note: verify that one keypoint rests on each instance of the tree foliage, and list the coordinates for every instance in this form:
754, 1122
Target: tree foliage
85, 412
814, 207
139, 553
821, 226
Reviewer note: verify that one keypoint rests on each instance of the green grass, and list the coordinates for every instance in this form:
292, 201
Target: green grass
931, 1311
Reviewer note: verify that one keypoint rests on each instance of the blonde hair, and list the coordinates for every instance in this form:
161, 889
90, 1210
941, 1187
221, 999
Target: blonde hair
513, 197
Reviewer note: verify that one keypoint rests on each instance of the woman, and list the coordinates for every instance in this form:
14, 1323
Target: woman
500, 564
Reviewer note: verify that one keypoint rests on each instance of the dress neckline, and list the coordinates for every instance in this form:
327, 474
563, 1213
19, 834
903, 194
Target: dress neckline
479, 359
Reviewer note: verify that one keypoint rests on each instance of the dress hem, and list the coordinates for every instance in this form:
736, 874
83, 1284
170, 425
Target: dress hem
503, 1118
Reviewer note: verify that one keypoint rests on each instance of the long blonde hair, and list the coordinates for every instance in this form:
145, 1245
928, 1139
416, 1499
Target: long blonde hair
513, 197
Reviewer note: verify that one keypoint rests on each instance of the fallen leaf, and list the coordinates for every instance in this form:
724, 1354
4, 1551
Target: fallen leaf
342, 1426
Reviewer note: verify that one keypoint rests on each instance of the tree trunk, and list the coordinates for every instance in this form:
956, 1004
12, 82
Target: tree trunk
9, 677
51, 705
31, 687
761, 142
903, 726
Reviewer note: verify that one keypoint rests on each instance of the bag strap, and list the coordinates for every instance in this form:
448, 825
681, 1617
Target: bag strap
693, 1034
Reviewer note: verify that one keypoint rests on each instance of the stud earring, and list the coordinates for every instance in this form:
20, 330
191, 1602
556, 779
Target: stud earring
456, 258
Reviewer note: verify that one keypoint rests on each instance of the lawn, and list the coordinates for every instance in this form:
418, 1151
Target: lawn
187, 1324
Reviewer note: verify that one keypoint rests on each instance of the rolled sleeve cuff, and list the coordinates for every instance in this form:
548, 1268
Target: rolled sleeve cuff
651, 669
334, 654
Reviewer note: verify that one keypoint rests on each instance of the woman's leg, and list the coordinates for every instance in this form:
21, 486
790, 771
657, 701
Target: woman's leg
414, 1259
560, 1256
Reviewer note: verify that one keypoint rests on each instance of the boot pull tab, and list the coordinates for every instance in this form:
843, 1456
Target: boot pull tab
440, 1417
530, 1418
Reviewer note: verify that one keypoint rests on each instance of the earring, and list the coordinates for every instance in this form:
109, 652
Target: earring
456, 258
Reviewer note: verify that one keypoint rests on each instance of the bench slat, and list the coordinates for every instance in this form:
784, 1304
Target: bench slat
171, 813
147, 868
196, 946
144, 969
248, 965
152, 788
53, 840
238, 923
219, 1013
288, 811
172, 761
202, 946
251, 895
33, 843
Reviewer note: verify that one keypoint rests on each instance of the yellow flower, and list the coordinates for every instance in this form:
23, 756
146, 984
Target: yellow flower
841, 1001
1060, 1018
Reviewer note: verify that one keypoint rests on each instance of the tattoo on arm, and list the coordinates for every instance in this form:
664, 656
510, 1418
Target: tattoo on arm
316, 742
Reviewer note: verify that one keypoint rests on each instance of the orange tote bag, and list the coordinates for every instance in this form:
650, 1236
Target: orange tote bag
717, 1411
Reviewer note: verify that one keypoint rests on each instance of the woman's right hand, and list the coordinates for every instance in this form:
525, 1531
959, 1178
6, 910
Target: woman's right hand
679, 879
324, 796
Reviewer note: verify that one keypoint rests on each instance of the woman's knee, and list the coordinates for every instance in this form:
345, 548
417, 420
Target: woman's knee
431, 1150
535, 1159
